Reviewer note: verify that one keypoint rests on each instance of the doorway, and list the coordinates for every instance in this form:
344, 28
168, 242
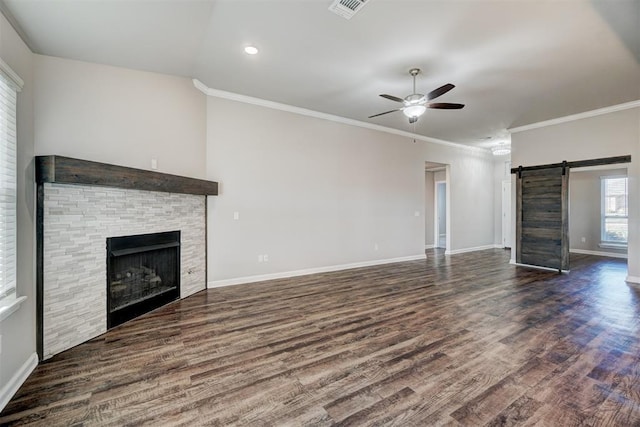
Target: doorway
598, 214
440, 215
437, 223
543, 214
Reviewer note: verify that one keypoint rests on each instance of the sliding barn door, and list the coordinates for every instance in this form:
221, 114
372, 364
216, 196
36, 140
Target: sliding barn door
542, 215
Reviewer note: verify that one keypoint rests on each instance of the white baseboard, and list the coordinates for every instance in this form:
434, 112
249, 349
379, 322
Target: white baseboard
632, 279
498, 246
429, 246
464, 250
17, 380
286, 274
598, 253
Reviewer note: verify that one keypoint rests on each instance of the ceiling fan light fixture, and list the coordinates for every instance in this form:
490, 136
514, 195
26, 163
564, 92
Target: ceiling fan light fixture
501, 150
251, 50
414, 110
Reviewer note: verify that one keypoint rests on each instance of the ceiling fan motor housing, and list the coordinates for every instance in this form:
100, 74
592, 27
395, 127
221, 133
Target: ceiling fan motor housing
413, 99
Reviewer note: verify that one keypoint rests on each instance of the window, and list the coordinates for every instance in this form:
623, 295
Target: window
614, 210
10, 84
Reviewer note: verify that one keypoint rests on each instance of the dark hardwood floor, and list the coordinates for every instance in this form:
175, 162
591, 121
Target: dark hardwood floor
459, 340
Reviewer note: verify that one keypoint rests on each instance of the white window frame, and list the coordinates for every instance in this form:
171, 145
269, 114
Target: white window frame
11, 85
603, 242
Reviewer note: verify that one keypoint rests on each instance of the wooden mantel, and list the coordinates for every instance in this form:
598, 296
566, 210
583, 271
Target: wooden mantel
66, 170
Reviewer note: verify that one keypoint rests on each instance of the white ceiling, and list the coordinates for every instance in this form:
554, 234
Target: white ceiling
514, 62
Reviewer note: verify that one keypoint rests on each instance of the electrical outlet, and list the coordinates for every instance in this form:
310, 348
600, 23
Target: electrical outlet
265, 257
154, 164
417, 213
584, 239
236, 215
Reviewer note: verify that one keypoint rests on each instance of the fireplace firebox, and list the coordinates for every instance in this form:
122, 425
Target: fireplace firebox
143, 273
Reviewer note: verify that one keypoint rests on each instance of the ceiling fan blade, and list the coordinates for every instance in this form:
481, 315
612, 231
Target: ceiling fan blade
386, 112
440, 91
445, 106
391, 97
413, 120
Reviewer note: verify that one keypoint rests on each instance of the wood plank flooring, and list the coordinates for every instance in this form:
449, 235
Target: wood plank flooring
458, 340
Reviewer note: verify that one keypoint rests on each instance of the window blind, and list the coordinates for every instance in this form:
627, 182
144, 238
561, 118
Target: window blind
8, 181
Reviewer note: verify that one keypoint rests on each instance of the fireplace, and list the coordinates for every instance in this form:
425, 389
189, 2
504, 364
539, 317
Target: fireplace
79, 205
143, 273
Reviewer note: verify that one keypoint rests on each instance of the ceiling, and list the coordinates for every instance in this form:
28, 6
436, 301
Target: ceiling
514, 62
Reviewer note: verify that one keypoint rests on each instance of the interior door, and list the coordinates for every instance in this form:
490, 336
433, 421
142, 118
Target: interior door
542, 209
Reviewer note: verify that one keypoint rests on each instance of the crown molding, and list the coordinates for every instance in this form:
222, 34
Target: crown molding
579, 116
17, 82
311, 113
4, 10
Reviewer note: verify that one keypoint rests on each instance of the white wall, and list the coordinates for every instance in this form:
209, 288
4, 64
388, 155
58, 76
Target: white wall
119, 116
471, 204
314, 193
607, 135
18, 330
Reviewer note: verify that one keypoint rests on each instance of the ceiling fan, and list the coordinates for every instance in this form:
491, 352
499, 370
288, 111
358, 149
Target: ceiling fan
416, 104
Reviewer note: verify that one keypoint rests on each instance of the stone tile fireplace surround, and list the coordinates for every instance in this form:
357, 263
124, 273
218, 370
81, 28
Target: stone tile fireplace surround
80, 205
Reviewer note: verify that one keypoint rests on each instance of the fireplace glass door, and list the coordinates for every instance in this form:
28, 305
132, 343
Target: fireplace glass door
143, 274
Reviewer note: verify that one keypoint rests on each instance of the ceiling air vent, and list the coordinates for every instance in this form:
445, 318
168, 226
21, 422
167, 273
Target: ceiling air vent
346, 8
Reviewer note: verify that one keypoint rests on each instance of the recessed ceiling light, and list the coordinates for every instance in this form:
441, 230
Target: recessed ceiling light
251, 50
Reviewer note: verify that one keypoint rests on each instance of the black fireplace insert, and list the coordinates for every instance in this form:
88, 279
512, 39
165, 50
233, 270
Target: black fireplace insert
143, 273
